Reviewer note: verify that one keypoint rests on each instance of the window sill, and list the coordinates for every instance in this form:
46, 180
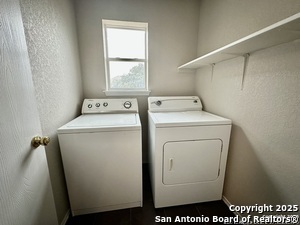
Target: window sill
127, 93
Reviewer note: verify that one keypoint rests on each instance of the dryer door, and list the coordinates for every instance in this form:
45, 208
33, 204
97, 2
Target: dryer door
191, 161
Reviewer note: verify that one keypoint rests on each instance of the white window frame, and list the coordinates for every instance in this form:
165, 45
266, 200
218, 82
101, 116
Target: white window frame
124, 25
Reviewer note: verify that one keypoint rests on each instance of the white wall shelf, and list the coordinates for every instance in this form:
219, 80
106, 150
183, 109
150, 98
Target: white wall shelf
284, 31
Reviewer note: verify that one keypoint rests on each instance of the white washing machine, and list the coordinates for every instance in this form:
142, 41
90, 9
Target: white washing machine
187, 151
102, 156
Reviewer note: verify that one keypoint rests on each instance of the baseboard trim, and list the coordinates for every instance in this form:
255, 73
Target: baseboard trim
66, 217
227, 202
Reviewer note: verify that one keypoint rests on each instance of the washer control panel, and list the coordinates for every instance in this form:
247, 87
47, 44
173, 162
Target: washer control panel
109, 106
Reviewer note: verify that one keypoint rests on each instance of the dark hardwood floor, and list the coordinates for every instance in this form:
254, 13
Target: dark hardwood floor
148, 215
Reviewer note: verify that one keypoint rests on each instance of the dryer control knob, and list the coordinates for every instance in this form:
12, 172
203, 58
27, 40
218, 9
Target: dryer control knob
127, 105
158, 103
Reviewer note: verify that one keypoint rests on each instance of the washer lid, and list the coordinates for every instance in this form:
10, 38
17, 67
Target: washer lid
188, 118
102, 122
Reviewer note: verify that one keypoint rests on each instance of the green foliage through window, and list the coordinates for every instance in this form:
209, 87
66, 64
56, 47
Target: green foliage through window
134, 79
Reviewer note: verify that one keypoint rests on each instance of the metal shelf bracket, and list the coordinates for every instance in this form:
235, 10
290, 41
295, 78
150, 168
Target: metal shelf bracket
246, 60
212, 71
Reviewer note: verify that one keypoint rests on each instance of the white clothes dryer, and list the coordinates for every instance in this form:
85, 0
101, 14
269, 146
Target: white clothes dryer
187, 151
102, 156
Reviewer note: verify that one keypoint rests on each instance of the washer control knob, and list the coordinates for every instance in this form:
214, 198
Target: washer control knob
127, 105
89, 106
105, 104
97, 104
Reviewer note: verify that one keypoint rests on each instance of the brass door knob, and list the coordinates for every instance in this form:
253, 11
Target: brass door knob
37, 141
45, 140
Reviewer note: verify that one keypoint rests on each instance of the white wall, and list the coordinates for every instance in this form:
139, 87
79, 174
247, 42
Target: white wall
173, 31
53, 51
263, 164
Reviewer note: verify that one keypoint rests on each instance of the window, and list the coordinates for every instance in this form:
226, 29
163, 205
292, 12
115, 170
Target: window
126, 57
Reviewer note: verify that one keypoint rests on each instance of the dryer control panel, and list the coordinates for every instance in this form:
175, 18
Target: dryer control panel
174, 104
104, 105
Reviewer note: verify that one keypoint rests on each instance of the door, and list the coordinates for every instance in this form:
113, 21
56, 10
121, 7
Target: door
25, 191
191, 161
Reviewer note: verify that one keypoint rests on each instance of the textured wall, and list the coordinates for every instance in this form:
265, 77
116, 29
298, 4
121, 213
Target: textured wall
222, 22
263, 164
173, 30
53, 51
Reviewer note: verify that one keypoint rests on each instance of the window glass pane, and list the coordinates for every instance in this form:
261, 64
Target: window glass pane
127, 74
125, 43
